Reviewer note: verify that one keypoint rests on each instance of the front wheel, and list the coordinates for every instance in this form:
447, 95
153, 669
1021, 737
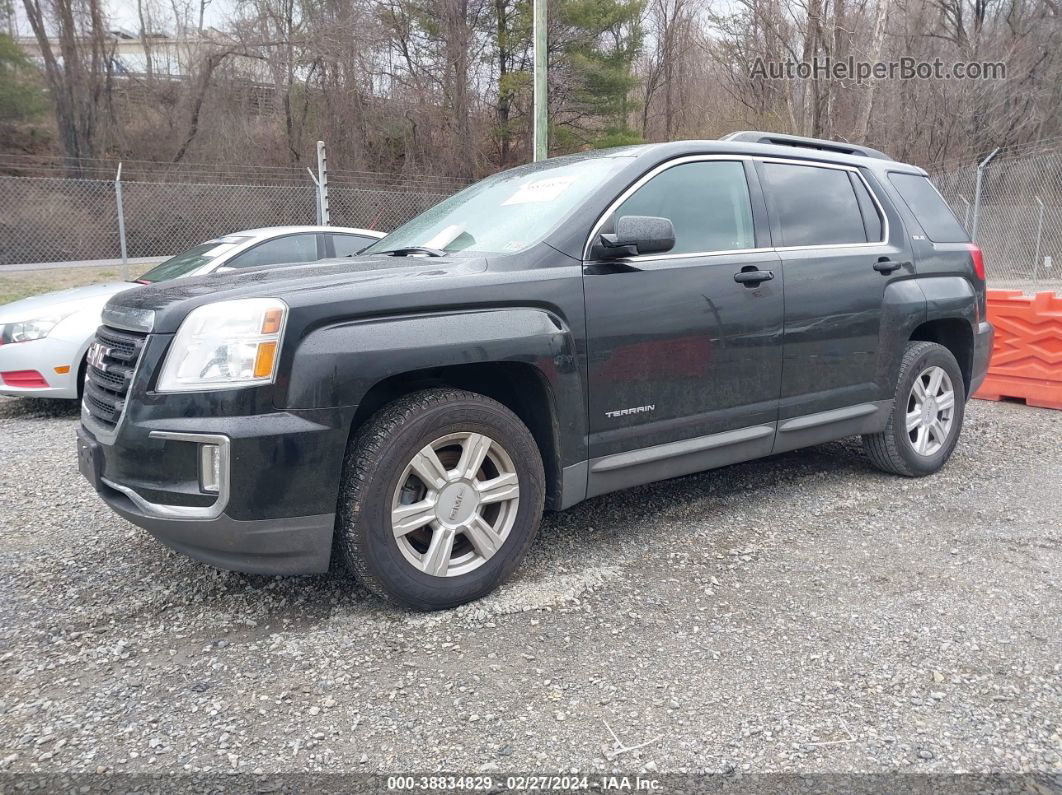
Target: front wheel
442, 495
927, 414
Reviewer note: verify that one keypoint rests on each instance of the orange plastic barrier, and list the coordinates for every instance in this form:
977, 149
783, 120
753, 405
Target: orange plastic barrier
1027, 353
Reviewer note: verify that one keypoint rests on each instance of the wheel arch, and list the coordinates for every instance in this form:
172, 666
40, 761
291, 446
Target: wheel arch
957, 336
524, 357
519, 386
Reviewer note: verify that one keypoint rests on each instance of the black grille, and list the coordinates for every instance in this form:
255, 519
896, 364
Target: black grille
108, 376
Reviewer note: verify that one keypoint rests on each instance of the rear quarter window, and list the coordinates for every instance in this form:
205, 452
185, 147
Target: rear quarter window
929, 208
349, 245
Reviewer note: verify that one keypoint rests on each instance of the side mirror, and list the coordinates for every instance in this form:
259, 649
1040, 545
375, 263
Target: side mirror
634, 235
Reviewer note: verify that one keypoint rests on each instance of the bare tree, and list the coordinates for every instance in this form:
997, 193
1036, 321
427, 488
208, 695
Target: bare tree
78, 75
444, 85
877, 46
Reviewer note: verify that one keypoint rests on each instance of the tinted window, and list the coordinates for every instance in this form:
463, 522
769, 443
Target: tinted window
813, 206
937, 220
291, 248
349, 245
192, 259
871, 217
707, 202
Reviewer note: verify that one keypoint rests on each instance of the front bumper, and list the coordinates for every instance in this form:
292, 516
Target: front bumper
273, 510
294, 545
44, 356
982, 354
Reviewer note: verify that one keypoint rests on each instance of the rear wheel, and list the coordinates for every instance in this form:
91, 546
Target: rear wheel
927, 414
442, 495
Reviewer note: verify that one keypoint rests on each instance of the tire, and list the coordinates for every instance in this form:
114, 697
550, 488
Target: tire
387, 471
908, 452
82, 370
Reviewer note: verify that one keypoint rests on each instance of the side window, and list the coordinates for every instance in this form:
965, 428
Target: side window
937, 220
707, 202
813, 206
282, 250
349, 245
871, 216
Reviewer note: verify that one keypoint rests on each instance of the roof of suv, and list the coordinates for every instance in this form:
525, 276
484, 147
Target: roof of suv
791, 147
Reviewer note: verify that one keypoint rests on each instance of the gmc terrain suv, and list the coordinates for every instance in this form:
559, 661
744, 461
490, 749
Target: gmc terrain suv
552, 333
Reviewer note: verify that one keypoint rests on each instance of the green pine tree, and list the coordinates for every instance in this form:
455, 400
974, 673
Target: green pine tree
602, 40
21, 97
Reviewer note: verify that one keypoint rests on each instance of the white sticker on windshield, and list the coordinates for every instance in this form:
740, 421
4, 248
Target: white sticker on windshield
446, 236
543, 190
221, 249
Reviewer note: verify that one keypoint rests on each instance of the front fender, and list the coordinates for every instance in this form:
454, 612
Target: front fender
336, 365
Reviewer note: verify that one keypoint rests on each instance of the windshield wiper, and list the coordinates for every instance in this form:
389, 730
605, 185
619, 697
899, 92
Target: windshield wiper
410, 250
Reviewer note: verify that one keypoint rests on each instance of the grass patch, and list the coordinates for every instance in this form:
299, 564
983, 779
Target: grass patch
22, 284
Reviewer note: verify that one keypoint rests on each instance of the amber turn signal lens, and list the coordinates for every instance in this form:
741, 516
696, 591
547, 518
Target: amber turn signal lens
271, 322
63, 369
263, 362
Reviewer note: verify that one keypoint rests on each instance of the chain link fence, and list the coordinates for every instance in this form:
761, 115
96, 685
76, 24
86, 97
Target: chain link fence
1018, 216
58, 219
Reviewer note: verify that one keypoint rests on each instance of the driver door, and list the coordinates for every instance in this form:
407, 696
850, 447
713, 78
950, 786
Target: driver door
685, 362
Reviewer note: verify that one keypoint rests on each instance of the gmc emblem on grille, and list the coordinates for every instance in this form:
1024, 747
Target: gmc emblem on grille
96, 354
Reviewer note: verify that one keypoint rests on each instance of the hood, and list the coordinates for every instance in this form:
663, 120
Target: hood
62, 302
161, 307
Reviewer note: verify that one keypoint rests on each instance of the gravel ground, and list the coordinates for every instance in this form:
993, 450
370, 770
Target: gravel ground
803, 613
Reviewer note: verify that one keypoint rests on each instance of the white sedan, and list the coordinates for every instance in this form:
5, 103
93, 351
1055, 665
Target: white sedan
43, 339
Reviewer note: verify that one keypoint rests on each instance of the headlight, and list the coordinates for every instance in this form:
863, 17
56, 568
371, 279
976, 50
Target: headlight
29, 330
226, 345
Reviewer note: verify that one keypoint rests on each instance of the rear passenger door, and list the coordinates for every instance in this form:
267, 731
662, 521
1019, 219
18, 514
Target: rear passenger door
838, 254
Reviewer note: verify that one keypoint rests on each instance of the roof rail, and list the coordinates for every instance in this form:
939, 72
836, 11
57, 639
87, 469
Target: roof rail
781, 139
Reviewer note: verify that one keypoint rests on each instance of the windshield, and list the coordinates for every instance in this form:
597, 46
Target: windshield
192, 259
506, 212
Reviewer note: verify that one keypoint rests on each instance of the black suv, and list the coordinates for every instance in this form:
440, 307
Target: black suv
552, 333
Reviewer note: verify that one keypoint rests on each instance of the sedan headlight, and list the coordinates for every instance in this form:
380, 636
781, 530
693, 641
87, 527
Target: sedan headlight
29, 330
226, 345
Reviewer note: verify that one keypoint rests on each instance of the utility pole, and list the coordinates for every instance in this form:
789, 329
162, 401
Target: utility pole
541, 100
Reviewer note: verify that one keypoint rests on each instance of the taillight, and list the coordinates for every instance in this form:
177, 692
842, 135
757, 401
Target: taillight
978, 261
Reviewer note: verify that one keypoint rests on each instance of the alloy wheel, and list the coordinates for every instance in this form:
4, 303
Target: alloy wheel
930, 411
455, 504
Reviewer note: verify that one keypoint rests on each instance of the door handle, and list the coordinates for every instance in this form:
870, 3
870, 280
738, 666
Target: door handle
888, 265
751, 278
